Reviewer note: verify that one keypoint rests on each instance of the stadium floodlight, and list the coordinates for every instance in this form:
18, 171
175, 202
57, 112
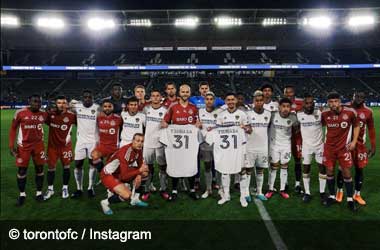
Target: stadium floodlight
10, 21
225, 21
98, 24
53, 23
356, 21
140, 22
188, 22
318, 22
274, 21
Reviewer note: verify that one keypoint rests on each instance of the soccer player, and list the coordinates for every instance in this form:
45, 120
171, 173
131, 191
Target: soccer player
340, 122
140, 95
109, 125
241, 102
60, 125
86, 113
199, 101
233, 116
153, 150
257, 143
182, 113
27, 125
289, 92
312, 139
171, 95
117, 99
133, 121
125, 165
282, 124
360, 155
269, 104
208, 117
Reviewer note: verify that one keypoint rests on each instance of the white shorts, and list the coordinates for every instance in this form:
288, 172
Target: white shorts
280, 155
259, 160
308, 153
152, 154
83, 150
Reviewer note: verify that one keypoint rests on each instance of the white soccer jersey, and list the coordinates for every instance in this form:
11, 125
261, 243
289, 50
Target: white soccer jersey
86, 123
272, 106
280, 131
257, 141
236, 118
153, 118
229, 148
132, 124
311, 129
181, 149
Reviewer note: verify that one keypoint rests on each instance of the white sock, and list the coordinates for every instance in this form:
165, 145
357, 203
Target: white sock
298, 183
65, 187
163, 180
306, 183
340, 189
51, 187
243, 185
259, 183
38, 193
78, 173
226, 179
248, 184
22, 194
208, 177
322, 183
272, 178
349, 199
91, 176
283, 178
357, 192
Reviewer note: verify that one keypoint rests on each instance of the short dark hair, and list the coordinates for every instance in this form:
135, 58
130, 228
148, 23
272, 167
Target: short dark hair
60, 97
285, 100
308, 95
333, 95
132, 99
34, 95
87, 91
228, 94
289, 86
107, 101
155, 90
170, 83
137, 134
203, 83
240, 93
117, 85
266, 86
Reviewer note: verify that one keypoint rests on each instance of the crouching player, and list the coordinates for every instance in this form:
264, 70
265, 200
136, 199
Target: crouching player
120, 170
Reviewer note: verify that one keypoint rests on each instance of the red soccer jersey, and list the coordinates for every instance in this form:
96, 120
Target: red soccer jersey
30, 128
109, 129
365, 117
167, 102
339, 127
60, 126
297, 104
142, 105
180, 115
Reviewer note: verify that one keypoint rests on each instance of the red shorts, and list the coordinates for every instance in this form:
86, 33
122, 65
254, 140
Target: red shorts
360, 156
331, 155
37, 152
111, 181
105, 151
297, 146
65, 154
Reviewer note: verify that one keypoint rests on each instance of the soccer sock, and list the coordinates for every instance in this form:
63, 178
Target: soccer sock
298, 172
226, 179
91, 177
358, 180
98, 164
259, 182
149, 179
248, 183
243, 185
39, 182
78, 173
322, 182
114, 199
175, 184
349, 188
339, 180
331, 185
306, 183
50, 178
214, 173
66, 175
283, 178
208, 177
272, 178
192, 183
21, 183
163, 180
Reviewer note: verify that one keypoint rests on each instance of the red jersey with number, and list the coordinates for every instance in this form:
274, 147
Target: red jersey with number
339, 127
60, 126
365, 118
29, 126
180, 115
109, 129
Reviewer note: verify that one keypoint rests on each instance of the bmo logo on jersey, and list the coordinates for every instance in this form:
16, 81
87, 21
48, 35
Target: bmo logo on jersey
111, 131
343, 124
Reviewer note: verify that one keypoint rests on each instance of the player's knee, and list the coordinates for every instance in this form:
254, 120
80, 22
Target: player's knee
284, 166
259, 171
66, 167
39, 170
79, 164
306, 169
322, 169
21, 173
275, 166
145, 174
51, 169
95, 155
248, 171
243, 171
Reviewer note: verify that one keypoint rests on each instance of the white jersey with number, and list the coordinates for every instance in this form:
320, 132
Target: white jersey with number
257, 141
236, 118
272, 106
153, 118
208, 120
229, 148
86, 123
311, 129
280, 131
181, 149
132, 124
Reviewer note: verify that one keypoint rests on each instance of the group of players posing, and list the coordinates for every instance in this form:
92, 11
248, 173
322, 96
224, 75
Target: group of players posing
126, 133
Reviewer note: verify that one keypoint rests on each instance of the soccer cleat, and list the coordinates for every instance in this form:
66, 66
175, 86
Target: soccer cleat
298, 189
145, 196
323, 198
248, 198
65, 193
306, 198
359, 199
91, 193
243, 201
77, 194
152, 188
49, 193
164, 195
173, 197
105, 207
138, 203
339, 196
220, 192
330, 201
194, 195
269, 194
206, 194
284, 194
261, 197
223, 200
215, 185
351, 205
39, 198
20, 201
